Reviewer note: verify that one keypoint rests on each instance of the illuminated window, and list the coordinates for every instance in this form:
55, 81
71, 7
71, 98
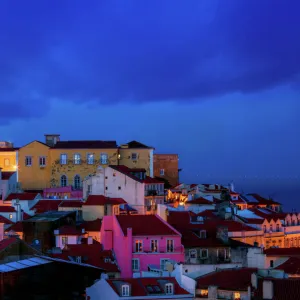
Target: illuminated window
170, 245
138, 246
63, 159
236, 296
154, 245
104, 158
90, 159
10, 216
203, 293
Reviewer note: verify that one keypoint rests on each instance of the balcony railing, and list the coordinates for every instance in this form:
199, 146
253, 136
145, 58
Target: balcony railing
160, 250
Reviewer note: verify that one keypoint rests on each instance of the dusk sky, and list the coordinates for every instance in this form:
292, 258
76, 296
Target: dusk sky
217, 82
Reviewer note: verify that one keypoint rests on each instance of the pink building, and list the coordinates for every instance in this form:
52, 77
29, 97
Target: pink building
141, 242
64, 192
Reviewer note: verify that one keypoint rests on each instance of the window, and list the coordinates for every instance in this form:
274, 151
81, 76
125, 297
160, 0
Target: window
203, 293
163, 263
277, 227
135, 264
271, 263
10, 216
63, 159
265, 228
236, 295
154, 245
28, 161
42, 161
119, 187
203, 253
64, 240
162, 172
63, 180
169, 288
90, 159
203, 234
138, 246
271, 228
125, 290
77, 159
107, 260
78, 259
193, 253
6, 162
77, 182
134, 156
104, 159
170, 245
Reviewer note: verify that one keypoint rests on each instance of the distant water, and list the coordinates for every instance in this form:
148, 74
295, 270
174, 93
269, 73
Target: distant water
285, 191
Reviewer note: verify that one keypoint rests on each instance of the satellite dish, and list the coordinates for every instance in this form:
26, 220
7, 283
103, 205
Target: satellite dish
37, 242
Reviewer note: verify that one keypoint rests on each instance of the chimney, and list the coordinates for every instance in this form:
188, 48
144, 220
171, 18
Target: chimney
90, 240
1, 231
52, 139
19, 211
268, 291
222, 233
254, 280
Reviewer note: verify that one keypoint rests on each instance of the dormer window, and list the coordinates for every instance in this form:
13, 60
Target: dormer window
199, 219
125, 290
169, 289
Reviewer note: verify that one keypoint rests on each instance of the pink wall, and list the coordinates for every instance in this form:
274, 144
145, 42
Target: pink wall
61, 191
123, 247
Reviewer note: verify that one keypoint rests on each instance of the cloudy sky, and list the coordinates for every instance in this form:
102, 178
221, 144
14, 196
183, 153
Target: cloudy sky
216, 81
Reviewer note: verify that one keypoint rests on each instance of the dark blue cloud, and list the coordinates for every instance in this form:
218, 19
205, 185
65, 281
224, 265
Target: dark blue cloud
142, 51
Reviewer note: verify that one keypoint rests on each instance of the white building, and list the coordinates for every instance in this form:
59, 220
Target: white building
8, 184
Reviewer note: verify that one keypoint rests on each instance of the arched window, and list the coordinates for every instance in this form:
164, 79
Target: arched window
63, 180
77, 182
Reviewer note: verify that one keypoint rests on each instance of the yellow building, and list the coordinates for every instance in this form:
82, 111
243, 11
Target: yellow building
63, 163
8, 157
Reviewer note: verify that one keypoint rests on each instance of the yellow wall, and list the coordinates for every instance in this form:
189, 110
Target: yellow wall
34, 177
143, 160
8, 157
83, 169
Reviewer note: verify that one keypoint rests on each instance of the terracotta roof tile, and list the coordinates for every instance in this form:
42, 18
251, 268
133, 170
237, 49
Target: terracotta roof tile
102, 200
5, 220
21, 196
69, 230
137, 145
71, 203
7, 175
200, 201
45, 205
85, 145
139, 285
291, 266
16, 227
9, 149
145, 225
282, 251
7, 208
230, 280
92, 225
7, 242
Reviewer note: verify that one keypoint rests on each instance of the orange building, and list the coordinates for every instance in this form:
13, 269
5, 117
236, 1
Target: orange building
166, 166
8, 157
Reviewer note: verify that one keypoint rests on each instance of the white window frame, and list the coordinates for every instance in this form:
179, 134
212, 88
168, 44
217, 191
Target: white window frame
74, 181
63, 158
61, 180
77, 159
10, 216
163, 265
173, 248
162, 172
201, 253
169, 288
157, 245
135, 243
28, 161
103, 158
134, 156
42, 161
135, 263
125, 290
90, 158
193, 252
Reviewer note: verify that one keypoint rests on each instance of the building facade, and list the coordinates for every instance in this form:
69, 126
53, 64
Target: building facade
8, 157
166, 166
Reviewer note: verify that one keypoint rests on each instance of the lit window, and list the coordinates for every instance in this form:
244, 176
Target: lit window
104, 158
134, 156
77, 182
169, 288
63, 180
162, 172
138, 246
163, 263
236, 295
77, 159
154, 245
135, 264
28, 161
90, 159
203, 293
6, 162
63, 159
170, 245
10, 216
42, 161
125, 290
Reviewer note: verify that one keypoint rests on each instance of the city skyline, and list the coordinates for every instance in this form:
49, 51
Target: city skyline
220, 87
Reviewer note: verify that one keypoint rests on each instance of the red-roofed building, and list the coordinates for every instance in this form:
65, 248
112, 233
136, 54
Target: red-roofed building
133, 236
98, 206
227, 284
72, 205
8, 183
93, 228
45, 205
291, 267
138, 288
68, 235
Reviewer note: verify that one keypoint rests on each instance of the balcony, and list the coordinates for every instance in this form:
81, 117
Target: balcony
147, 250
